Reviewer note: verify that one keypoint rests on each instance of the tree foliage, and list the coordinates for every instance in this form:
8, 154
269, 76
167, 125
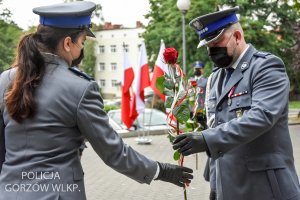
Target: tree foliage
266, 23
89, 62
9, 36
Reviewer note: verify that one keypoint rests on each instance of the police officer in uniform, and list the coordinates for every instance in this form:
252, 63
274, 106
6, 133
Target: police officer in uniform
248, 142
48, 108
199, 108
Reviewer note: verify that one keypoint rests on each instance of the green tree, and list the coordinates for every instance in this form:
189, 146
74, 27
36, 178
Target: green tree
89, 62
9, 36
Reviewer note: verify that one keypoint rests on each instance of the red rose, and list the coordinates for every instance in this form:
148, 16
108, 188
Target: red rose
193, 83
170, 56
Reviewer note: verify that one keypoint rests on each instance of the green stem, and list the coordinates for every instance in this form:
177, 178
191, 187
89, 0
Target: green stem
185, 196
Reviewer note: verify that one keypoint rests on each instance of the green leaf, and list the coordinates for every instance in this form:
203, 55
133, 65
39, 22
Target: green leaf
182, 112
168, 92
169, 102
167, 76
176, 155
171, 138
169, 84
160, 83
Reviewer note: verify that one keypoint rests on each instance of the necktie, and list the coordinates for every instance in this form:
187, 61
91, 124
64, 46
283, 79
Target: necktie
228, 75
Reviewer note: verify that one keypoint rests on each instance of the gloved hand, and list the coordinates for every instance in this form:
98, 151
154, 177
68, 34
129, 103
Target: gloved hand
174, 174
189, 143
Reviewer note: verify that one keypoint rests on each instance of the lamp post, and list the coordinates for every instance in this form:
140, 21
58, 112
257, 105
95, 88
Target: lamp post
183, 6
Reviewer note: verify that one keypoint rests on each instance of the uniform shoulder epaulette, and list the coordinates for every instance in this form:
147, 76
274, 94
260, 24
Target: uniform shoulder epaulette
80, 73
262, 54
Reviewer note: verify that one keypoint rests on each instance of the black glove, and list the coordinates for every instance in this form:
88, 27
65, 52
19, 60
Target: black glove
174, 174
189, 143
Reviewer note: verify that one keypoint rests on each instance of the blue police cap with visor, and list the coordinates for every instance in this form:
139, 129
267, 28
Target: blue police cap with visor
211, 26
73, 15
198, 64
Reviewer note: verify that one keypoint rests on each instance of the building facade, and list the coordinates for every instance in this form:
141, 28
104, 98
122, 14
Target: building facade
109, 56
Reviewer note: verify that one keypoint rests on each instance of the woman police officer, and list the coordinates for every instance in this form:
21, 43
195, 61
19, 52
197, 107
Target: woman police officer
47, 110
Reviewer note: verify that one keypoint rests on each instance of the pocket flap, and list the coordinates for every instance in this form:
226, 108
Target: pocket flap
265, 162
243, 101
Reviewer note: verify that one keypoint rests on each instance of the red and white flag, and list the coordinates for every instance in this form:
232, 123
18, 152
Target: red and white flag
142, 81
127, 79
159, 69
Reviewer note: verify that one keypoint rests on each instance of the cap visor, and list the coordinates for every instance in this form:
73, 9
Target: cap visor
90, 33
206, 42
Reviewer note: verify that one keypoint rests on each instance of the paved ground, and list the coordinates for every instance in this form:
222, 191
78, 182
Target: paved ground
104, 183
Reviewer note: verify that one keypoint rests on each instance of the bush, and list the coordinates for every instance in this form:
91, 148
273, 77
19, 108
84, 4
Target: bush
110, 107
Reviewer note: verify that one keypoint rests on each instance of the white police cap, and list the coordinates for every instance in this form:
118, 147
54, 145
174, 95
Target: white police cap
211, 26
75, 15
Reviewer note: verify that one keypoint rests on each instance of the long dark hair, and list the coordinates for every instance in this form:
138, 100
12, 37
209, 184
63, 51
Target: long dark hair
30, 64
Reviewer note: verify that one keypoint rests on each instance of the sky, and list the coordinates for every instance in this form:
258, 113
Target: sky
125, 12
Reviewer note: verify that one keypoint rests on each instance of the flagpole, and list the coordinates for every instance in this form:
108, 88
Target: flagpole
152, 104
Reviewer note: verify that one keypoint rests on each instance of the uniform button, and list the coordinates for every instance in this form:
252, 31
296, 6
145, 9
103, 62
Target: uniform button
237, 103
219, 108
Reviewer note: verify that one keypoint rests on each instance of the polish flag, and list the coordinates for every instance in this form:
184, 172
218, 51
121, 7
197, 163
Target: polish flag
142, 81
159, 69
127, 79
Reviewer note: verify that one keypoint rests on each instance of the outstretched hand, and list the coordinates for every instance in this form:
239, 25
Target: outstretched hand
174, 174
189, 143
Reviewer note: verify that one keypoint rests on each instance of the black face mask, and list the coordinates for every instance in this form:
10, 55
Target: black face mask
197, 73
219, 56
78, 60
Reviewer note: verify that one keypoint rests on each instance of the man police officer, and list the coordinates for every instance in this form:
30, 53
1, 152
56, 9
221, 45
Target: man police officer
248, 142
199, 107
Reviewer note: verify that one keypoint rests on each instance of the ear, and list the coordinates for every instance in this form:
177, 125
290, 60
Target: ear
66, 43
238, 36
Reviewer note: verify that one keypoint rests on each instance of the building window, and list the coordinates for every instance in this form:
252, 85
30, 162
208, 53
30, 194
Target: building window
101, 67
139, 47
124, 34
113, 66
101, 83
114, 83
126, 47
101, 49
112, 35
113, 48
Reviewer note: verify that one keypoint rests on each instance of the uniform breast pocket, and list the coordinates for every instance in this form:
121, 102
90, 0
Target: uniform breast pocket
239, 105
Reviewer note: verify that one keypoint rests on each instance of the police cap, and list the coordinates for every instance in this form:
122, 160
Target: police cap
198, 64
211, 26
76, 15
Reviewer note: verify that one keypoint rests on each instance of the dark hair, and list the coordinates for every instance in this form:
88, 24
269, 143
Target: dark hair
30, 64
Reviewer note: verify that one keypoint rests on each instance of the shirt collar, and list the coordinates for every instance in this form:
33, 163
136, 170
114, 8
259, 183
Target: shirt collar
234, 65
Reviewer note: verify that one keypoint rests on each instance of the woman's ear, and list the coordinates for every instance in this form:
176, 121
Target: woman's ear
66, 44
